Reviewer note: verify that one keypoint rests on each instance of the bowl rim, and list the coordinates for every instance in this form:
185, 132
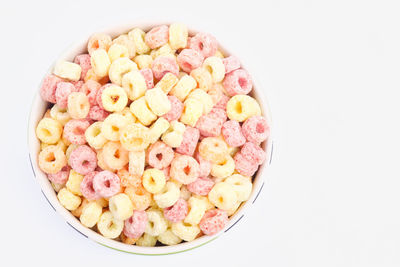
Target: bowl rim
36, 113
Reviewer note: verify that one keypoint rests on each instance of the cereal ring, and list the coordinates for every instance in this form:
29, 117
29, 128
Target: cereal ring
184, 86
222, 102
185, 231
60, 177
48, 88
192, 111
184, 169
190, 138
238, 82
223, 196
178, 35
49, 131
148, 77
68, 70
90, 214
231, 63
255, 129
189, 59
176, 109
146, 241
141, 110
135, 226
253, 153
106, 184
224, 168
153, 180
134, 84
83, 160
120, 206
62, 92
115, 156
114, 98
213, 149
162, 65
211, 123
204, 43
158, 101
156, 222
97, 113
157, 129
128, 179
201, 186
138, 36
74, 131
143, 61
68, 200
242, 107
73, 183
159, 155
137, 162
112, 126
205, 166
141, 199
167, 196
203, 78
126, 112
169, 238
213, 221
98, 40
215, 67
245, 166
126, 42
119, 68
197, 208
167, 82
174, 135
100, 62
232, 134
117, 51
84, 61
177, 212
109, 226
78, 105
134, 137
164, 50
52, 159
90, 89
157, 36
59, 114
86, 186
242, 186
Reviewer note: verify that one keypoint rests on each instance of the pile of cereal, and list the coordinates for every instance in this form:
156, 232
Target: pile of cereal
152, 136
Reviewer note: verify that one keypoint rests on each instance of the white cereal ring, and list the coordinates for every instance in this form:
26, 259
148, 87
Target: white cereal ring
109, 226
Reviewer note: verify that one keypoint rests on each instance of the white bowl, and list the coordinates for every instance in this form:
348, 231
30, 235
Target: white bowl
39, 107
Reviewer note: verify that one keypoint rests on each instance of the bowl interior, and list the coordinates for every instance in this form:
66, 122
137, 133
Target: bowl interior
39, 107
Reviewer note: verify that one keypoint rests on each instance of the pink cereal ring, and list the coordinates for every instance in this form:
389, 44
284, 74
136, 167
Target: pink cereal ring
231, 63
190, 138
90, 89
202, 186
253, 153
238, 82
83, 160
255, 129
211, 123
60, 177
204, 165
99, 93
106, 184
184, 169
162, 65
204, 43
213, 221
160, 155
96, 113
176, 109
245, 166
222, 102
232, 133
158, 36
74, 131
48, 88
87, 186
135, 226
84, 61
62, 92
189, 59
148, 77
177, 212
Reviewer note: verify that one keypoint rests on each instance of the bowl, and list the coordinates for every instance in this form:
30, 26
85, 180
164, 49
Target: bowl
39, 107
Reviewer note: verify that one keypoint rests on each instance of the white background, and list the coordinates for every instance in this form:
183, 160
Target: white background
331, 71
